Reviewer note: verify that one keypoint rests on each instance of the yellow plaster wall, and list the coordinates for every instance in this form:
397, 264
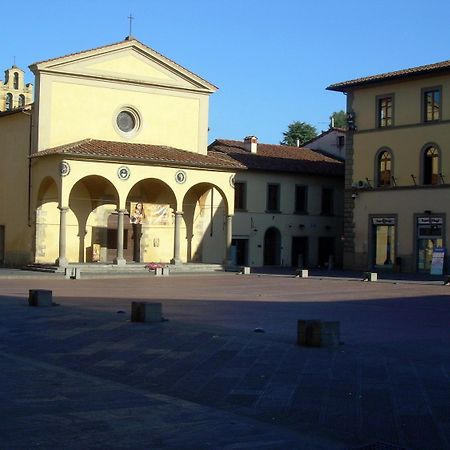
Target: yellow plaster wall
72, 109
407, 101
407, 142
14, 147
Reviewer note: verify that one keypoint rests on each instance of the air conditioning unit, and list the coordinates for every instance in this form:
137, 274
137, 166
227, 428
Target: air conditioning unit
360, 184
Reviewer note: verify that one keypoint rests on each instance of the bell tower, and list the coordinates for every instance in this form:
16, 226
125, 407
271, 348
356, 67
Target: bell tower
14, 93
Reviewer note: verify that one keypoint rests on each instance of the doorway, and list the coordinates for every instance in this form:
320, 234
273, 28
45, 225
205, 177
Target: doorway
272, 247
240, 252
299, 254
326, 249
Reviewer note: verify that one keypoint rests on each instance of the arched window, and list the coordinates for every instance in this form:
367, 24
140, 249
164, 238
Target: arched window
430, 165
16, 80
21, 100
9, 102
384, 167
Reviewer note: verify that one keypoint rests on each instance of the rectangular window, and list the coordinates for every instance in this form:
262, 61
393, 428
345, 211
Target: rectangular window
431, 104
301, 199
240, 196
384, 111
273, 198
327, 202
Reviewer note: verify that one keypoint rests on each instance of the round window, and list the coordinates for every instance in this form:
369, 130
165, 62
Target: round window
127, 121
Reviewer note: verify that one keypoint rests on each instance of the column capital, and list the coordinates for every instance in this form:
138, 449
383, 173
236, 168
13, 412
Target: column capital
121, 211
179, 213
63, 208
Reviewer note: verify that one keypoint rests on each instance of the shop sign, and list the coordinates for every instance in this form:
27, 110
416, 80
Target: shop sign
430, 221
383, 220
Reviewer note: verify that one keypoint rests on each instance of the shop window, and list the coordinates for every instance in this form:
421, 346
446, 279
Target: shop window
384, 165
429, 237
430, 165
383, 240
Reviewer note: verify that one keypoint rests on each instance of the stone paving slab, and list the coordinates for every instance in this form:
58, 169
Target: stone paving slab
394, 389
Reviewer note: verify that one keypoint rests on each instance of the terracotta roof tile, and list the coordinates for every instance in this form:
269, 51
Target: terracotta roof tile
279, 158
388, 76
146, 153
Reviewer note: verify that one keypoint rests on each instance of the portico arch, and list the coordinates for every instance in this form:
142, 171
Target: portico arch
150, 220
92, 200
207, 224
47, 221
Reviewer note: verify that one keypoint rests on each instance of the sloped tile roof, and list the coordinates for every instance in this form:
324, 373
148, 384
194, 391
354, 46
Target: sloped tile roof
145, 153
279, 158
390, 76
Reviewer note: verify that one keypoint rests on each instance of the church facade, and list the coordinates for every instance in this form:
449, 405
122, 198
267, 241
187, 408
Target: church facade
110, 164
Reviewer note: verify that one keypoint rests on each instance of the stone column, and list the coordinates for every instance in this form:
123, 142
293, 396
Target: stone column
176, 241
228, 260
62, 260
119, 260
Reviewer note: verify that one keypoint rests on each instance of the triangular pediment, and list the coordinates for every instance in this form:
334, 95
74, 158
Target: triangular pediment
126, 61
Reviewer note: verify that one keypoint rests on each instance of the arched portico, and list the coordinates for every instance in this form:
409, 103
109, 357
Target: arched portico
83, 231
207, 223
151, 204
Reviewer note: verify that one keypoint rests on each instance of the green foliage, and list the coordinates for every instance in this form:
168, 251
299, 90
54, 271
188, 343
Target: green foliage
302, 131
340, 119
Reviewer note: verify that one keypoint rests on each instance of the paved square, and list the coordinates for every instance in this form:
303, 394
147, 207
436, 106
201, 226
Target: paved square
81, 375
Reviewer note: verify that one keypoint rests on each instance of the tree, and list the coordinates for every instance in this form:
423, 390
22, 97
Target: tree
301, 131
340, 119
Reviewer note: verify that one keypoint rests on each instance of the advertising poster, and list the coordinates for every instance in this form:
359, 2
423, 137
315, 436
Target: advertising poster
437, 261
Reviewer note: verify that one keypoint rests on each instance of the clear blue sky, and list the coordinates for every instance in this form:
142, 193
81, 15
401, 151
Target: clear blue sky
271, 60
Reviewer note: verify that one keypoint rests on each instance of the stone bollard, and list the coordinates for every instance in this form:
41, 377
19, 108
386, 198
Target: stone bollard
165, 271
370, 276
146, 312
40, 297
158, 272
302, 273
317, 333
245, 270
72, 273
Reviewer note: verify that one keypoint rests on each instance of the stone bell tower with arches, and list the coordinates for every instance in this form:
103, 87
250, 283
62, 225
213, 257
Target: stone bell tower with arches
14, 93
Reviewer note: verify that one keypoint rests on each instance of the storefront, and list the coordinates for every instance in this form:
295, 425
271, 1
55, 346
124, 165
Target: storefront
429, 235
384, 237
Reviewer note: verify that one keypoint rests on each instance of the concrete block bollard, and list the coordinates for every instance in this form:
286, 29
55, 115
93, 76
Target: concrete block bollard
40, 297
165, 271
370, 276
302, 273
72, 273
245, 270
317, 333
146, 312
